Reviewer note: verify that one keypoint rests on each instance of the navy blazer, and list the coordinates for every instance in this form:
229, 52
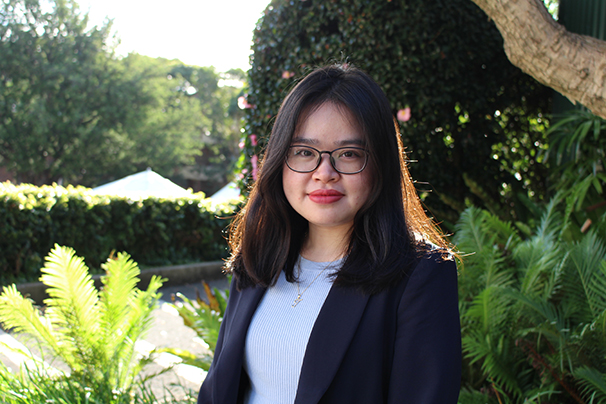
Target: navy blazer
402, 345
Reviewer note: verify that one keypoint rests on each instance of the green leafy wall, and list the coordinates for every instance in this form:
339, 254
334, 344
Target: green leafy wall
153, 231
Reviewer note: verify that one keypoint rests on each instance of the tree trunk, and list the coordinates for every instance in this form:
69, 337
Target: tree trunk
573, 65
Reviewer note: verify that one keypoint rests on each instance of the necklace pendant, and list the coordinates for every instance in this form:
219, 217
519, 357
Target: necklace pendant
297, 300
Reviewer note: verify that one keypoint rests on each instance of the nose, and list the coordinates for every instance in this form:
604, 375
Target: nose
325, 171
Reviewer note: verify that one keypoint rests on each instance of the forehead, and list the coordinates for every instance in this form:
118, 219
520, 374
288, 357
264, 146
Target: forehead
328, 123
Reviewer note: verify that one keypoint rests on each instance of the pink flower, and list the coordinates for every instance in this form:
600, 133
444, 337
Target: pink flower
253, 140
253, 160
243, 103
403, 115
241, 145
286, 74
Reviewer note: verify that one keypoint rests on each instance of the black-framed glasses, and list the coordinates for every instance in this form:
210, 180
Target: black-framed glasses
345, 160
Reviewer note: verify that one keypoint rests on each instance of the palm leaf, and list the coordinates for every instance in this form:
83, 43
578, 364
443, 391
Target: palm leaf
138, 322
597, 286
496, 357
540, 261
583, 278
73, 298
485, 264
116, 299
19, 314
594, 384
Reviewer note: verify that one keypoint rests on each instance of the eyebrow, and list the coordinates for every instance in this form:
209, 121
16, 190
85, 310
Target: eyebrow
340, 143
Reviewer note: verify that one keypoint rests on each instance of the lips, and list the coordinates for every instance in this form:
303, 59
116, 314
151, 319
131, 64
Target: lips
325, 196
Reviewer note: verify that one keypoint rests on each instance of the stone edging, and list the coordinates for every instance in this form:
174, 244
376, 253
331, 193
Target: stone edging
174, 275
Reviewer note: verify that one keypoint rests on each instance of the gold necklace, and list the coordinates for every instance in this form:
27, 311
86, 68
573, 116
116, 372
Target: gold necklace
299, 293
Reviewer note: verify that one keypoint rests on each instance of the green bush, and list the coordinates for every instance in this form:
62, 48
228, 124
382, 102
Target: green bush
203, 318
92, 332
533, 310
576, 158
476, 123
154, 231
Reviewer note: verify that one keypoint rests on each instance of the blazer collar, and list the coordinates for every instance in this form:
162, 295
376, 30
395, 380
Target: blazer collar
329, 340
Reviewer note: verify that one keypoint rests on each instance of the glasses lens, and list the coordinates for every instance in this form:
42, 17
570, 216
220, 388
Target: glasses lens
302, 158
349, 160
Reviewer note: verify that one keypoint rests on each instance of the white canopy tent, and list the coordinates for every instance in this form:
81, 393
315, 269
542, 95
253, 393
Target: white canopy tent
226, 194
143, 185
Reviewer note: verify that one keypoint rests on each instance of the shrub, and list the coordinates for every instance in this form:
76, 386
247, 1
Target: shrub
93, 332
154, 231
203, 318
533, 309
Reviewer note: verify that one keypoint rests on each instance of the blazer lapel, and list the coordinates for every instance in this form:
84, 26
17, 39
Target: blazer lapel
228, 368
331, 335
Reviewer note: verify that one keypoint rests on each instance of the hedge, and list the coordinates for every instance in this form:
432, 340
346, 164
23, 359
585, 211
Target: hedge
153, 231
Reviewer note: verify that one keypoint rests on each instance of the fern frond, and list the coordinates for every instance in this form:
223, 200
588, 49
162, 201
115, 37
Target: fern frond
597, 286
116, 298
138, 322
469, 234
552, 222
547, 319
486, 266
539, 260
496, 357
579, 288
594, 384
489, 310
19, 314
73, 297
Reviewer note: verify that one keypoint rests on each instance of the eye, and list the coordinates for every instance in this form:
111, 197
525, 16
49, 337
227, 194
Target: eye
302, 152
350, 153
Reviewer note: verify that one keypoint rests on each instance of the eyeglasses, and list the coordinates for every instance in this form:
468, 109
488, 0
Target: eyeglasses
345, 160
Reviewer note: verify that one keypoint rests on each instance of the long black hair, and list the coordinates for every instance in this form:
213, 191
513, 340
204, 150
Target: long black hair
390, 231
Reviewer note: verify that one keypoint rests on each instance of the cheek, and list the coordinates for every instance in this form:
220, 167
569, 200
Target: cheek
289, 183
366, 184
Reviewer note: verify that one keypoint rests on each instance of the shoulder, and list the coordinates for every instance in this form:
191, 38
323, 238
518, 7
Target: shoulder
433, 279
433, 261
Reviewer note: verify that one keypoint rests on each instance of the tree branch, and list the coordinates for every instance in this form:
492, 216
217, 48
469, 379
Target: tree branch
573, 65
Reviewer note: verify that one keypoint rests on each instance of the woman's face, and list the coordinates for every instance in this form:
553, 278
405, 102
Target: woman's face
326, 198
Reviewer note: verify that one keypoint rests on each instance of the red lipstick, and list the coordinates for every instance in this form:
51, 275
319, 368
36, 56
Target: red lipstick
325, 196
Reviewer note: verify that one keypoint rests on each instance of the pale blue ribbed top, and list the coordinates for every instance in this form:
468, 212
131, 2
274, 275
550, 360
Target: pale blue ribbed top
278, 334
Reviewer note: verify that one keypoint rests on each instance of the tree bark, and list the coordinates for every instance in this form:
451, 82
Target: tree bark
573, 65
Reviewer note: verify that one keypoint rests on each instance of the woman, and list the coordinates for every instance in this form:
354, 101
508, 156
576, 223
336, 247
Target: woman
343, 291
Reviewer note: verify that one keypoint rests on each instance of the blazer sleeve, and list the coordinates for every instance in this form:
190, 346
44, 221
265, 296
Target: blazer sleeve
206, 390
426, 365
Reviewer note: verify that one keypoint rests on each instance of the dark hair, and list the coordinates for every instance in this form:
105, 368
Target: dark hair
390, 231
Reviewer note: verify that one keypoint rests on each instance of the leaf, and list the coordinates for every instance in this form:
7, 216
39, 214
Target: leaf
72, 304
19, 314
594, 384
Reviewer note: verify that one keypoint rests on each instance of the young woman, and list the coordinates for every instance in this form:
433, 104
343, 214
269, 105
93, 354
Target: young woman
343, 291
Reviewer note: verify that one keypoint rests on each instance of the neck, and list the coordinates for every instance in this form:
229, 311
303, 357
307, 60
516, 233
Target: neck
325, 244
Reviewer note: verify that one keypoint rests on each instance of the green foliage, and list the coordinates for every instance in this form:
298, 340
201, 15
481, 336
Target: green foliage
533, 309
576, 157
205, 319
476, 122
155, 231
93, 332
36, 386
74, 112
61, 94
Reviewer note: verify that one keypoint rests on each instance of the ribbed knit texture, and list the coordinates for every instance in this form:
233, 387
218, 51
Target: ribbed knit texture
278, 334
